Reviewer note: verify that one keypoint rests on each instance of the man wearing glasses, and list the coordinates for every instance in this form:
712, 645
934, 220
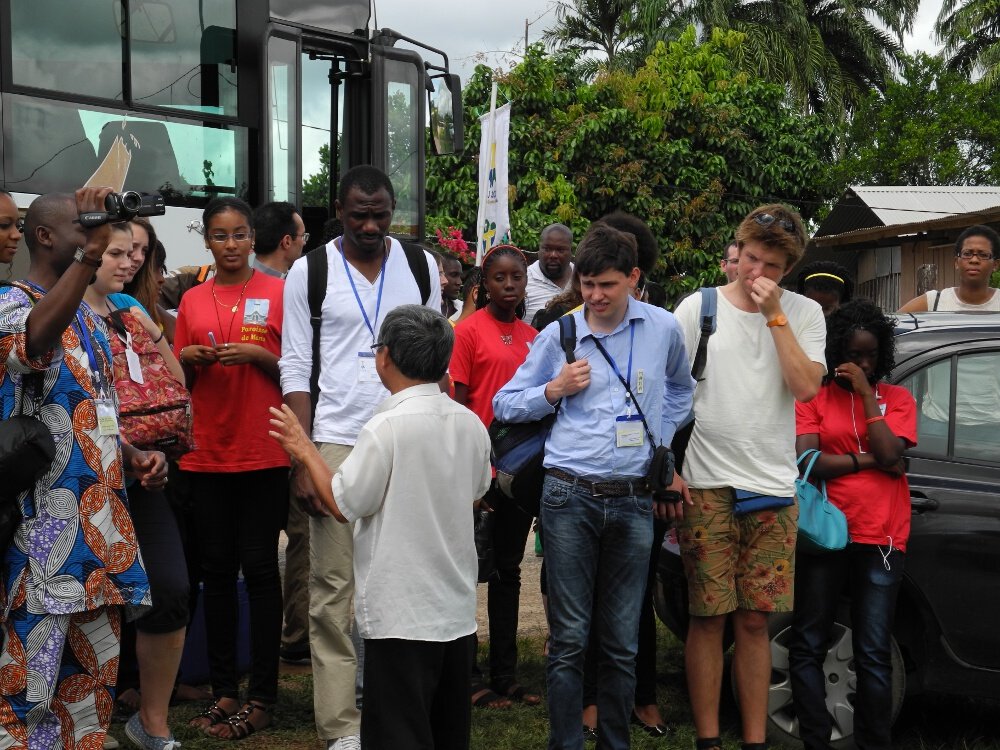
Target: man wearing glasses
281, 237
729, 261
768, 351
551, 273
977, 251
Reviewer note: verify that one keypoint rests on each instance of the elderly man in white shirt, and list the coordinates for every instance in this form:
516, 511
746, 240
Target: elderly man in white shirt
551, 273
409, 483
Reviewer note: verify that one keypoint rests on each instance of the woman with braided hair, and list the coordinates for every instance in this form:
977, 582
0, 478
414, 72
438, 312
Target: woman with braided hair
861, 425
489, 347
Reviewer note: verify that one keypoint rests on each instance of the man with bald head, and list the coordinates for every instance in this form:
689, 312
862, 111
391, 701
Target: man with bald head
74, 563
551, 273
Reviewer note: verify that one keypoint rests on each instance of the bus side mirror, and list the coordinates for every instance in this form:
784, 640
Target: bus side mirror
447, 124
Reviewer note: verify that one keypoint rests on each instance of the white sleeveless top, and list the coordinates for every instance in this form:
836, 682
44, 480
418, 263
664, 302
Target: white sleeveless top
950, 302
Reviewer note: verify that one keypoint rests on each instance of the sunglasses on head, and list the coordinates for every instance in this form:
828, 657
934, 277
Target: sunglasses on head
766, 220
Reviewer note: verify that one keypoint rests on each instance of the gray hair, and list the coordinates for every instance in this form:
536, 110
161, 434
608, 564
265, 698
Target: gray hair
419, 341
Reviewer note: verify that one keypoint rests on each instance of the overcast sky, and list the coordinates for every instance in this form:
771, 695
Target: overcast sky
476, 31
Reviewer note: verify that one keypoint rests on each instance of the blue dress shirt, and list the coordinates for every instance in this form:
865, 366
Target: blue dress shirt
583, 438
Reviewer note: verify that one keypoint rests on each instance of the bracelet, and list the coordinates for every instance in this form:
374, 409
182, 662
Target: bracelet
180, 355
159, 338
857, 466
873, 420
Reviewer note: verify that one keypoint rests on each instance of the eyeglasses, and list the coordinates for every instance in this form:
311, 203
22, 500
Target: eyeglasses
221, 239
766, 220
970, 254
376, 346
304, 236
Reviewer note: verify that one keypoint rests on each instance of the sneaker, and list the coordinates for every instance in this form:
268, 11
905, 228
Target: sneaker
138, 736
352, 742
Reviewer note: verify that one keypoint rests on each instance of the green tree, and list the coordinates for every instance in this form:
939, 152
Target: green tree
316, 187
932, 127
970, 30
687, 142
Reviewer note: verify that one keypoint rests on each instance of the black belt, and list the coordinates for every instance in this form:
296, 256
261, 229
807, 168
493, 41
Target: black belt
610, 488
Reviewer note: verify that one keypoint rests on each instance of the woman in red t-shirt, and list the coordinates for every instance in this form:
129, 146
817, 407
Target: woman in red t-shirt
228, 338
862, 426
489, 347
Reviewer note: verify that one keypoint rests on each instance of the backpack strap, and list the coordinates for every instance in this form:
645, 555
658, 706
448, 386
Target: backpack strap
416, 257
317, 269
937, 298
202, 274
567, 337
709, 302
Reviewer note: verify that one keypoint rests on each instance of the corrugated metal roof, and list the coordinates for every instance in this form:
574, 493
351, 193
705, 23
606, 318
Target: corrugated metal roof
887, 205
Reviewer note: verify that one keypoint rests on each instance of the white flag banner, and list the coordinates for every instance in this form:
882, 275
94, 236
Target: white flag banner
494, 218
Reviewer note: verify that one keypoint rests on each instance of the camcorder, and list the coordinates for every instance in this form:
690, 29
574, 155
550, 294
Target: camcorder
124, 207
660, 474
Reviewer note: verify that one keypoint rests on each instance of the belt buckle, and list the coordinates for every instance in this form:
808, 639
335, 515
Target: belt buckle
594, 492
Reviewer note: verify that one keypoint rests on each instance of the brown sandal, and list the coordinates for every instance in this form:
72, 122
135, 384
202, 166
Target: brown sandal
239, 726
215, 715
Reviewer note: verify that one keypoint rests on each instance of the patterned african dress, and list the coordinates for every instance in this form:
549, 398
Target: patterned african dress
74, 559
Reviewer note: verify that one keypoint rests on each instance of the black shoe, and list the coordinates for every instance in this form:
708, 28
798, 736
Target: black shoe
295, 654
589, 734
653, 730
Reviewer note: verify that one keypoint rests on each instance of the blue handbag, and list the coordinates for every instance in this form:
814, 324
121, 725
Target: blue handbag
822, 525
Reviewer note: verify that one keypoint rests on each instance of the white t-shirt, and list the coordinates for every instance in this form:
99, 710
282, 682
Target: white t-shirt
950, 302
540, 290
347, 397
409, 483
744, 433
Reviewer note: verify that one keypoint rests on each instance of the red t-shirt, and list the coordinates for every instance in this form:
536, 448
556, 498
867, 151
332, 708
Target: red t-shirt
230, 404
487, 354
876, 504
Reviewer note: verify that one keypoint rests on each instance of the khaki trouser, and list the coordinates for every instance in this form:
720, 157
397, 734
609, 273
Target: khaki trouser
331, 599
295, 631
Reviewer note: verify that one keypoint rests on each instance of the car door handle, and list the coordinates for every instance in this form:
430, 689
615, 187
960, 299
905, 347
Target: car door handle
922, 504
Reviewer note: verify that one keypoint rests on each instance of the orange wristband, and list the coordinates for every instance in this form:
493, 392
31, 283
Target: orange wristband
873, 420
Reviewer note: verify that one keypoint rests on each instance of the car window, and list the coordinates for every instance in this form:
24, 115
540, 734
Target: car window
962, 392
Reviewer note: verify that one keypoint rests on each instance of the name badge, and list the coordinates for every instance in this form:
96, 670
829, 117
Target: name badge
366, 368
132, 359
629, 432
107, 417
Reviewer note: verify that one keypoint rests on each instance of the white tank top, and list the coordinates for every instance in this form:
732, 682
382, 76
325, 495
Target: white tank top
949, 302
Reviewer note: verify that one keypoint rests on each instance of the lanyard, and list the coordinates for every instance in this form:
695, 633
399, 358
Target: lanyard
96, 373
378, 300
614, 365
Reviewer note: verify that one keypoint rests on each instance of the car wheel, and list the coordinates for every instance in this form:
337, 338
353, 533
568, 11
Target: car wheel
841, 684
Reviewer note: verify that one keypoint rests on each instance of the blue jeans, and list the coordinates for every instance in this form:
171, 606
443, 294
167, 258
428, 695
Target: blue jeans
593, 546
819, 580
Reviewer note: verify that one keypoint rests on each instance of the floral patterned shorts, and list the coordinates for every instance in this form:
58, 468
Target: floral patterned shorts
737, 562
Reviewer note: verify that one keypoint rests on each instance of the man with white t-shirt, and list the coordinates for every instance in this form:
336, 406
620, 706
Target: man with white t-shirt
368, 275
768, 351
551, 273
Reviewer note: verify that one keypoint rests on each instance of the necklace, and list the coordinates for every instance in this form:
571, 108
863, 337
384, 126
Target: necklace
235, 307
506, 330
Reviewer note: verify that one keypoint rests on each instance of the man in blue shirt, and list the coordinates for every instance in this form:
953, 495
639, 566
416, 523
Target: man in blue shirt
597, 508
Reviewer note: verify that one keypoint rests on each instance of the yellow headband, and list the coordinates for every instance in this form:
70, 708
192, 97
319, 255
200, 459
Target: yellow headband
828, 275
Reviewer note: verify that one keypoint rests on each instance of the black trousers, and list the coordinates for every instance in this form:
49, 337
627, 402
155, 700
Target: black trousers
239, 516
416, 694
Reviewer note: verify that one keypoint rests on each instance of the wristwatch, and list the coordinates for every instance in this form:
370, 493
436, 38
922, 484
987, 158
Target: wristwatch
777, 320
80, 256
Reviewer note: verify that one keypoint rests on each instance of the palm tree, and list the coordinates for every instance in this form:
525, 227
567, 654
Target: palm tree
970, 30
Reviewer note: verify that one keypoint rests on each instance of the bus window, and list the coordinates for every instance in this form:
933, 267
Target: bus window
77, 51
187, 163
281, 55
317, 112
183, 55
404, 131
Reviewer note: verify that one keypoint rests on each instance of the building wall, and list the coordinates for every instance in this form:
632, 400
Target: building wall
891, 275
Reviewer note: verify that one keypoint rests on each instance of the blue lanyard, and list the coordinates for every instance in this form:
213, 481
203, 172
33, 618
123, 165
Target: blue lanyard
378, 300
96, 373
614, 365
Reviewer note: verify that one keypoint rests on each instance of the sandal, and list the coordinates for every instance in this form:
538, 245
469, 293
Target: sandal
238, 725
517, 692
484, 697
215, 714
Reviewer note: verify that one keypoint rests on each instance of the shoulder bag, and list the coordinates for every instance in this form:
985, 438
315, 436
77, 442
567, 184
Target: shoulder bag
822, 525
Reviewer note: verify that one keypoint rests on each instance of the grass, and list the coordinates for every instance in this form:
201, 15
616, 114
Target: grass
926, 722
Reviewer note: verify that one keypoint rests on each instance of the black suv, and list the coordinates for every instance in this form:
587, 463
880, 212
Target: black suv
947, 637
